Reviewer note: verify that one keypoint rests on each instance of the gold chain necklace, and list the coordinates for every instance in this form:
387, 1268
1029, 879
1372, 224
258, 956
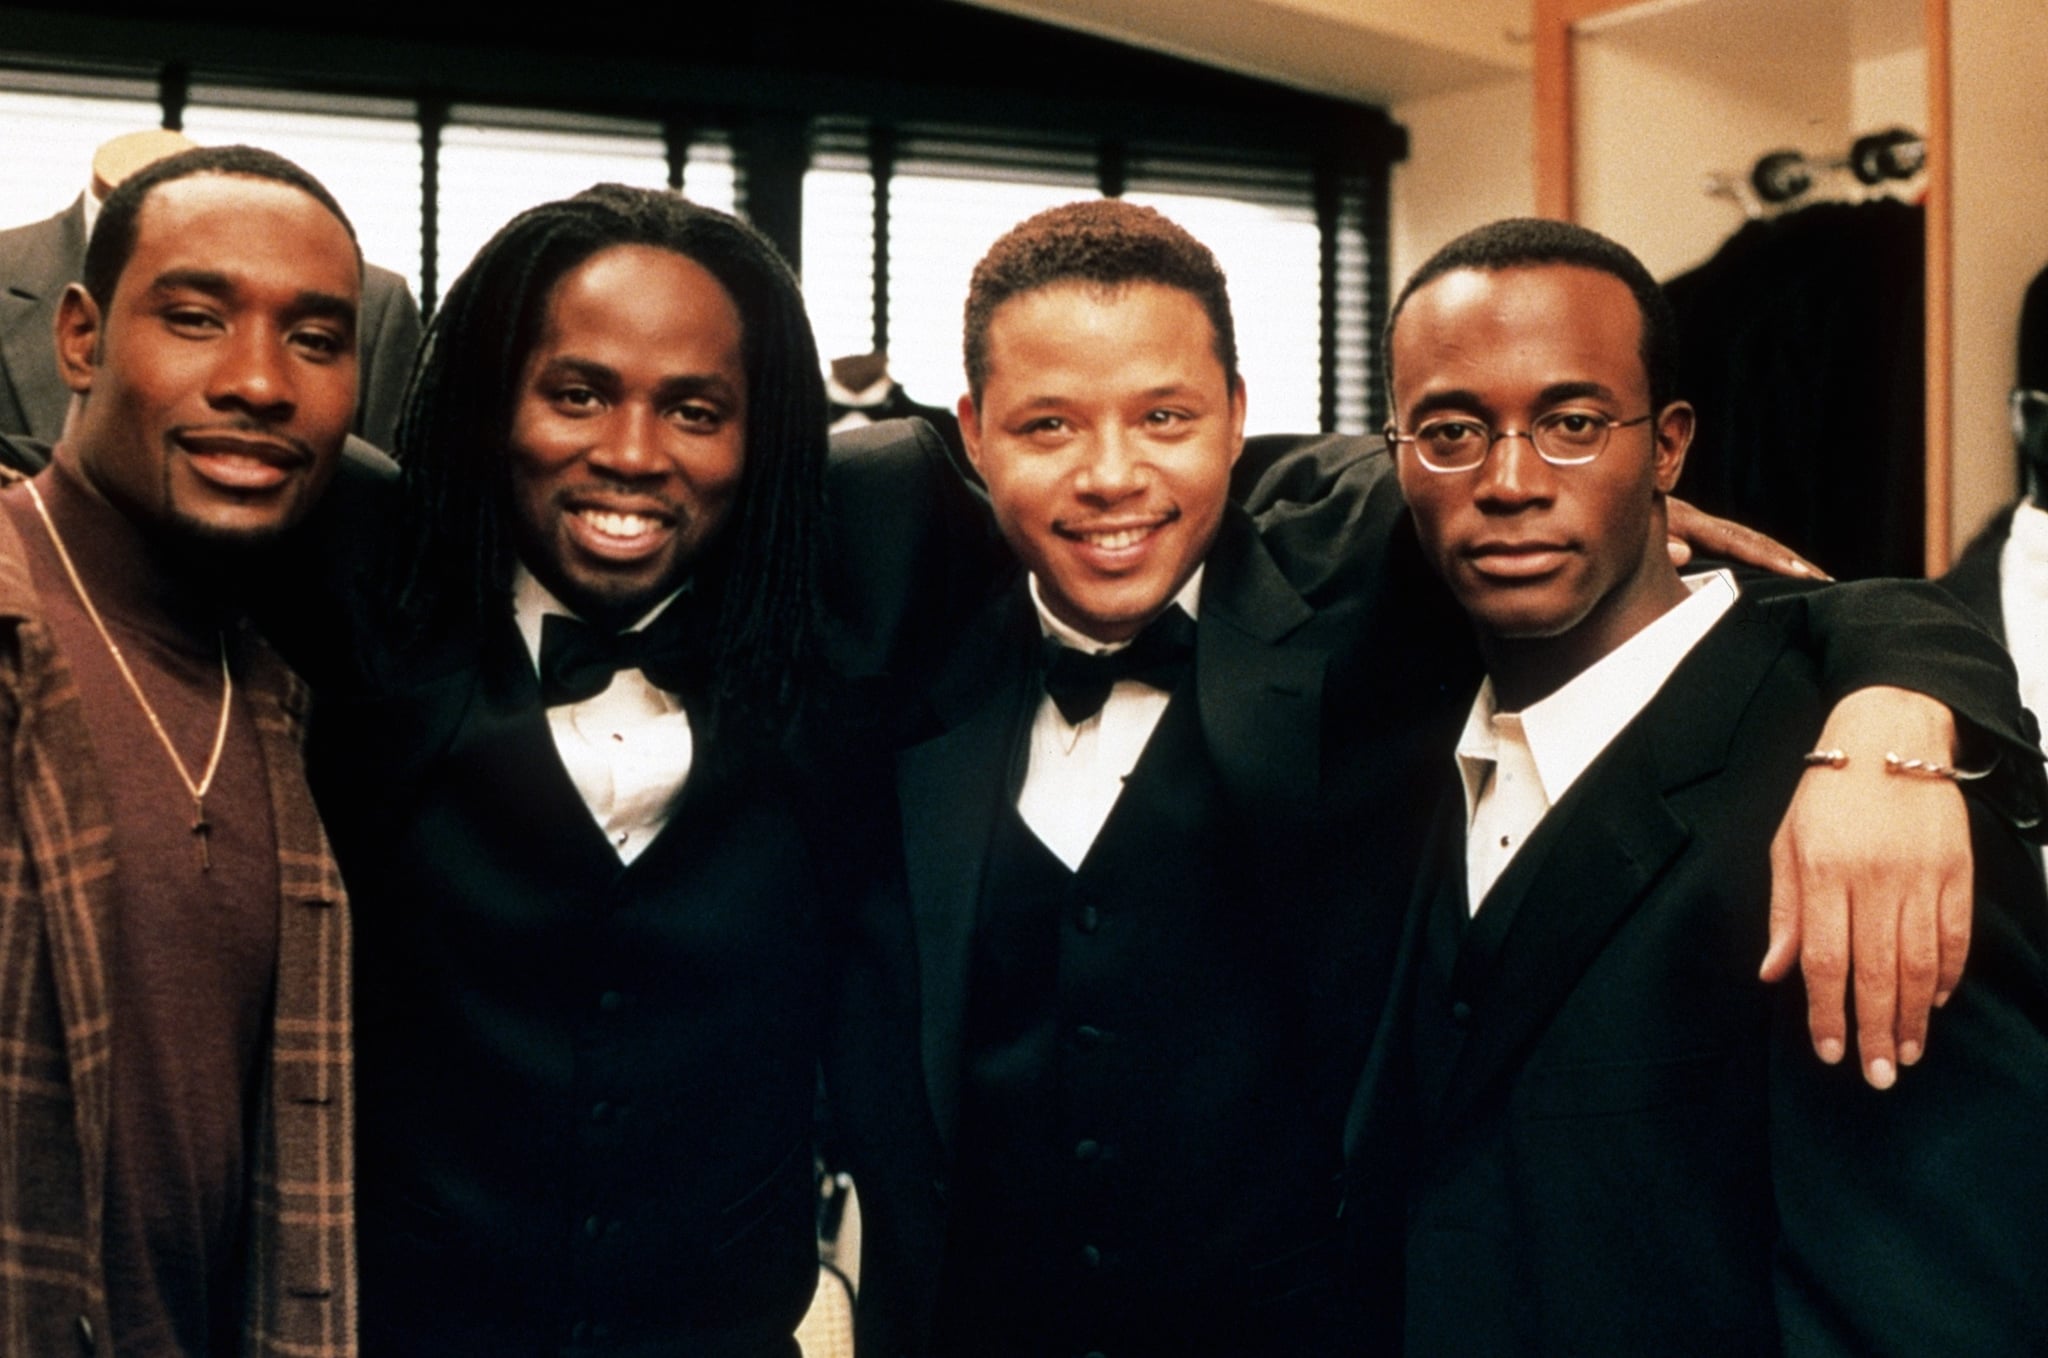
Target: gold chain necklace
201, 827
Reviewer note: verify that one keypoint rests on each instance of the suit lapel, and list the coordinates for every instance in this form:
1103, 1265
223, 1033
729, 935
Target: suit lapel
1595, 856
1260, 686
1383, 1103
474, 704
951, 788
507, 736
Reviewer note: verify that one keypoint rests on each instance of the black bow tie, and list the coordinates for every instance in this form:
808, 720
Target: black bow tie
577, 661
1078, 683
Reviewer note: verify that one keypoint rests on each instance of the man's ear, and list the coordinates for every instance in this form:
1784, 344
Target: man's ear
77, 334
970, 431
1237, 409
1673, 428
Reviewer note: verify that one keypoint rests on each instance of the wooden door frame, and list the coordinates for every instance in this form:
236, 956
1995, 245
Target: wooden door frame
1556, 178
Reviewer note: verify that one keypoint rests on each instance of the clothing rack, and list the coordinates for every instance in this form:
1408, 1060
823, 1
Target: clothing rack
1784, 177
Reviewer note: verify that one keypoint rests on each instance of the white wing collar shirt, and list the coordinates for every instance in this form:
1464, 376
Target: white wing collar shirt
2023, 600
1517, 765
628, 750
1076, 772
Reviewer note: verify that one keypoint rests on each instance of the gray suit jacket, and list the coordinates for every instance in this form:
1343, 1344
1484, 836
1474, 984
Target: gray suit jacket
37, 260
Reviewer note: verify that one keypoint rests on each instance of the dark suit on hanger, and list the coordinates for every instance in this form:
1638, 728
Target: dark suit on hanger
38, 260
897, 404
1802, 346
1616, 1140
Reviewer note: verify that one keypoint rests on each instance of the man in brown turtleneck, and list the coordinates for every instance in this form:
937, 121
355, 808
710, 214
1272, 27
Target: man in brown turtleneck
174, 1077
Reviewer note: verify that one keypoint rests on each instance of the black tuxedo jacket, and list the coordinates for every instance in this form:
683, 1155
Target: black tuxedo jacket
1614, 1139
1975, 577
38, 260
586, 1117
1262, 658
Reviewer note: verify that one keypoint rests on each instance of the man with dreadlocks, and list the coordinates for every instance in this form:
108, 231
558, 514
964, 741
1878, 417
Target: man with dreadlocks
594, 967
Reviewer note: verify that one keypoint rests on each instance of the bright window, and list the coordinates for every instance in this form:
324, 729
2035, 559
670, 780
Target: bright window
50, 139
491, 172
369, 161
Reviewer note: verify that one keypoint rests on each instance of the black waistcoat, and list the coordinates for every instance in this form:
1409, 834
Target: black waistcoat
585, 1090
1479, 1270
1148, 1150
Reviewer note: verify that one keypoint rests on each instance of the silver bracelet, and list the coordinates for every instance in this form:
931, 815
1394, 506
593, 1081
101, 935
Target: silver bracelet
1894, 763
1928, 768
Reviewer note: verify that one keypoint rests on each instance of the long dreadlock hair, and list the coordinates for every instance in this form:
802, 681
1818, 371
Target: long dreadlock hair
454, 552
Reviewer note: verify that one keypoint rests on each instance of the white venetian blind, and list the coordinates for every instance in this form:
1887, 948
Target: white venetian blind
367, 153
949, 200
496, 163
49, 129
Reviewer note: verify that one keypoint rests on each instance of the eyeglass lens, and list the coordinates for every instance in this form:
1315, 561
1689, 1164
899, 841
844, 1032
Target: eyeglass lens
1564, 437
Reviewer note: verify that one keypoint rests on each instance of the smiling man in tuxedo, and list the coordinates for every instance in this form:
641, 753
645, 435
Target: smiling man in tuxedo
593, 941
1128, 1001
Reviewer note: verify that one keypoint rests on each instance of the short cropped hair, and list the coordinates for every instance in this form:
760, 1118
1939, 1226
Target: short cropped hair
1528, 242
1103, 242
455, 549
2033, 347
114, 230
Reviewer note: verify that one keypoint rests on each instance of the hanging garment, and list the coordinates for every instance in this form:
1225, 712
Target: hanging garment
1804, 350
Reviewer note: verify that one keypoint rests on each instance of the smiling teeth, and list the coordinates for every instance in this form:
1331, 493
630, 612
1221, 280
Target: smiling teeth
619, 525
1117, 541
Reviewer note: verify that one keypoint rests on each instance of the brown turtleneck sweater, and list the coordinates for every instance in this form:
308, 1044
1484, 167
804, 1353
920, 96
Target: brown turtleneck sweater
191, 955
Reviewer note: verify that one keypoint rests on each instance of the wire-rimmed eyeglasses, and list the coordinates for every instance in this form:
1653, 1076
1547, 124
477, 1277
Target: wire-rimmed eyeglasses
1563, 438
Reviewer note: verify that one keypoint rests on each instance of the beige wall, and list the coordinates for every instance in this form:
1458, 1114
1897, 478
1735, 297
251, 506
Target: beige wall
1660, 106
1999, 62
1889, 91
1471, 159
1658, 120
1653, 128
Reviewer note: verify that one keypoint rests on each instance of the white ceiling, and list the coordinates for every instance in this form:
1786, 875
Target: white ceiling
1378, 51
1763, 44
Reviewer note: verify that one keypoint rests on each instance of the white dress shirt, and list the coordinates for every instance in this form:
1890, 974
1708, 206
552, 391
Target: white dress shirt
867, 399
1517, 765
628, 749
2023, 600
1076, 773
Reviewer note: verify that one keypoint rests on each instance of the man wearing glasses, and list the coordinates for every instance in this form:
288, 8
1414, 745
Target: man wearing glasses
1614, 1139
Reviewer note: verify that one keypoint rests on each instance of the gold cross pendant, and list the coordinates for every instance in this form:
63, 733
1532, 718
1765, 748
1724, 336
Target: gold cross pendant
202, 828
